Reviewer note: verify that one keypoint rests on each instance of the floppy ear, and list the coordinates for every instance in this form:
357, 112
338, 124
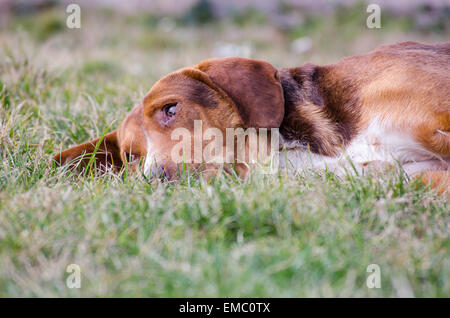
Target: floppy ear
254, 86
107, 153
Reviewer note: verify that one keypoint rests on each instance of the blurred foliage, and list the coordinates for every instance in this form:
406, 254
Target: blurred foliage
49, 22
343, 20
4, 96
249, 16
201, 13
100, 67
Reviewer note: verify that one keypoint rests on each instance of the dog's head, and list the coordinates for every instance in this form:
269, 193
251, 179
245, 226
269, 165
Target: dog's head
217, 93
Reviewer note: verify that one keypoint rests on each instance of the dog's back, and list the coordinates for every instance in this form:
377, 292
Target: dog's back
404, 87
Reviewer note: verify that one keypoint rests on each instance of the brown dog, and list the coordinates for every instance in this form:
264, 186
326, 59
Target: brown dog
390, 105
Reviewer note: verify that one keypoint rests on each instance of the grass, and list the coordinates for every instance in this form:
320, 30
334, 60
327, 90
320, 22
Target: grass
271, 235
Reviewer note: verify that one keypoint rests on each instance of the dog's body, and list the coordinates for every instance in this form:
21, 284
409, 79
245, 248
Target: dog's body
390, 105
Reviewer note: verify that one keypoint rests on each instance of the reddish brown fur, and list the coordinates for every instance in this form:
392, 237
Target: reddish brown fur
323, 107
439, 180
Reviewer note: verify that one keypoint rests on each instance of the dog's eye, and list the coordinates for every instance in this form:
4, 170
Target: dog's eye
170, 109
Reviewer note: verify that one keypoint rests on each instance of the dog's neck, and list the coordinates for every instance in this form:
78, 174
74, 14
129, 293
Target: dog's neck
320, 111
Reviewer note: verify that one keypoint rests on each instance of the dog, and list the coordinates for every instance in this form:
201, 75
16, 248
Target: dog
389, 106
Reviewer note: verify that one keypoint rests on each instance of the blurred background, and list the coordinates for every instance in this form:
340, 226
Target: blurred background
123, 47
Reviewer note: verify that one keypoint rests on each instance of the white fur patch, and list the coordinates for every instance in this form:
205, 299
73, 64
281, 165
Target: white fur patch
380, 142
149, 158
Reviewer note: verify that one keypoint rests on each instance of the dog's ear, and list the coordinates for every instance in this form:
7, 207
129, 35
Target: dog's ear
254, 86
106, 152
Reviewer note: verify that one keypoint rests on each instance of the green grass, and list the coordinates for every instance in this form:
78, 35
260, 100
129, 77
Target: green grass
271, 235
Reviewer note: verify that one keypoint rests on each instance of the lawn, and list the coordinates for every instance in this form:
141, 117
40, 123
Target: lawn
268, 236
